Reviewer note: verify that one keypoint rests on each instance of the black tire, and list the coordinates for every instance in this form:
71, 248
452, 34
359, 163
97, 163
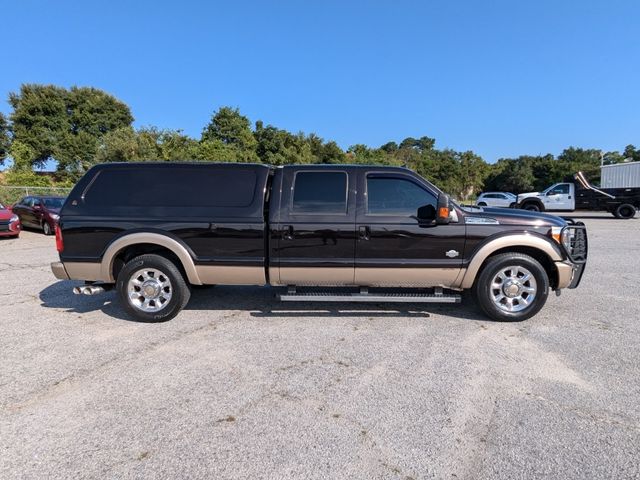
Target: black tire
484, 294
625, 211
179, 289
482, 204
512, 205
532, 207
46, 228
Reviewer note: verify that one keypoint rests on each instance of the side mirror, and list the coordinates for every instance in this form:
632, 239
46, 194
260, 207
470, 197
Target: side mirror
442, 215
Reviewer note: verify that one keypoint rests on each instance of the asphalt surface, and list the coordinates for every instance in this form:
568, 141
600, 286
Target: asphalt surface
241, 386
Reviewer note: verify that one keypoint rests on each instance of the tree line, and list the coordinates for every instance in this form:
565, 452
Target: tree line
81, 126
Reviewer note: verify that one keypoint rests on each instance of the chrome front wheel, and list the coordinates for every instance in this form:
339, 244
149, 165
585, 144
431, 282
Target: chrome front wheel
513, 288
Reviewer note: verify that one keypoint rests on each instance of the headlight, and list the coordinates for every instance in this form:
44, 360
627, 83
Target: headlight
54, 216
562, 237
14, 218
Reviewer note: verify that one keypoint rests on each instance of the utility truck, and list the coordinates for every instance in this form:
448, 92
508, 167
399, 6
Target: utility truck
620, 195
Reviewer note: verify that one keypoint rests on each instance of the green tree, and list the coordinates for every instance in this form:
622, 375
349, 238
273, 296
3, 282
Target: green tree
215, 151
363, 155
332, 153
609, 158
146, 144
65, 125
5, 138
473, 171
573, 160
632, 152
22, 155
511, 175
120, 145
279, 147
390, 147
231, 128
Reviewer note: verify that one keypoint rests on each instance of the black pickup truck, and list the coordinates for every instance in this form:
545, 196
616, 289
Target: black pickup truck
324, 232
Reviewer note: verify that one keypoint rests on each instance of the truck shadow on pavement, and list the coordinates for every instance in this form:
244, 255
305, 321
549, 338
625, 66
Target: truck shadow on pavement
259, 302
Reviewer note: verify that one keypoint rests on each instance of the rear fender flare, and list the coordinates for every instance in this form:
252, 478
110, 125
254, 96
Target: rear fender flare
106, 268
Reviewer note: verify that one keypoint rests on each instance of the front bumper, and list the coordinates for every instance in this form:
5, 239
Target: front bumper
10, 229
569, 274
59, 271
571, 270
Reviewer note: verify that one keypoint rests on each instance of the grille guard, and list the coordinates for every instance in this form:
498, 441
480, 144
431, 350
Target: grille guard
579, 243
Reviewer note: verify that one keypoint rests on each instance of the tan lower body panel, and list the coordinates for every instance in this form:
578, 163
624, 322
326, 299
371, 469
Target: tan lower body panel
370, 277
316, 276
213, 275
231, 275
408, 277
91, 272
565, 274
58, 271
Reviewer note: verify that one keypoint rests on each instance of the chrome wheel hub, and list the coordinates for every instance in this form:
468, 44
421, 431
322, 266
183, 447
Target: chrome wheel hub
149, 290
513, 288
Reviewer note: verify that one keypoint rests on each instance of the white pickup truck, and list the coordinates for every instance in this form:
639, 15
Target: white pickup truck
581, 195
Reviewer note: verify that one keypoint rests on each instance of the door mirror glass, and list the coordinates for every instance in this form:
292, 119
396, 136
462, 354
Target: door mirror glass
426, 213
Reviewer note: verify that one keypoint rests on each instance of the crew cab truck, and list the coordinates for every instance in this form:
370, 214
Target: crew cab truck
153, 231
622, 202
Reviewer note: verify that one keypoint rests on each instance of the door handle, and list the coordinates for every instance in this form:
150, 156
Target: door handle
364, 233
287, 233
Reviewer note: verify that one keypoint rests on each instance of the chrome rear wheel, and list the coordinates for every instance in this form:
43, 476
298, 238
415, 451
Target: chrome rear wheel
152, 288
149, 290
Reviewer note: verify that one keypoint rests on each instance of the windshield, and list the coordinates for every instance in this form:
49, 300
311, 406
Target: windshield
53, 202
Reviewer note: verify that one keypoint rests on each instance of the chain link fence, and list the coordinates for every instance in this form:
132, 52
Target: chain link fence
11, 194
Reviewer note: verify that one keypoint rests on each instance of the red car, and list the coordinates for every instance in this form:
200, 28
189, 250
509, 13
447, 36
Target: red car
39, 212
9, 223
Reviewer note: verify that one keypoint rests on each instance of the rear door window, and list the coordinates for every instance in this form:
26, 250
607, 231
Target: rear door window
320, 193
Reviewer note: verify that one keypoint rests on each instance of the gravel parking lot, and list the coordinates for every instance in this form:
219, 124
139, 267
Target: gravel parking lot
241, 386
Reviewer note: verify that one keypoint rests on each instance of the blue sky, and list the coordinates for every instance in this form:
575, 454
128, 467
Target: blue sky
502, 78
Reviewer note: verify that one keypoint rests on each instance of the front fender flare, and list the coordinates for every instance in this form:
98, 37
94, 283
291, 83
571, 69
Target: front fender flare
513, 240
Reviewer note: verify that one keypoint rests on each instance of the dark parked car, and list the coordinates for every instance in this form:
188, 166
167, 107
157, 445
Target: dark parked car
39, 212
9, 223
378, 234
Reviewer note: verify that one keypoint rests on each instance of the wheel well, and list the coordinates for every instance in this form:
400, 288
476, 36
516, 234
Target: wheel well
532, 200
132, 251
539, 255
